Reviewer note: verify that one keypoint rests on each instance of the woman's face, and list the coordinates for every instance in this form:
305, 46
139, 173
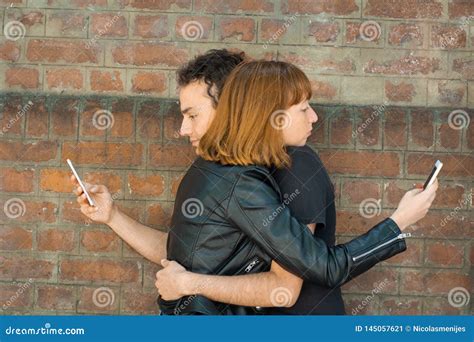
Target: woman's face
299, 124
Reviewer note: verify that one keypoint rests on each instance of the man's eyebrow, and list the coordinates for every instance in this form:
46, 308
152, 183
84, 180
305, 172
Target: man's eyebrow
185, 111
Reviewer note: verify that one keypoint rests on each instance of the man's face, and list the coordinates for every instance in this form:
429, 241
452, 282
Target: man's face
197, 109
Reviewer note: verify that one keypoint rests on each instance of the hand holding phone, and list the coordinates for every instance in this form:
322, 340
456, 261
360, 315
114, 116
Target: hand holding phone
434, 173
89, 198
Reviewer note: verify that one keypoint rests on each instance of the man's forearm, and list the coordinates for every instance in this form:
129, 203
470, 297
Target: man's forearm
149, 242
260, 289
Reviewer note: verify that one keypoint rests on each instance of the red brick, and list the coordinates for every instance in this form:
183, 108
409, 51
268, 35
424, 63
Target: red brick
108, 25
27, 18
26, 78
355, 32
66, 23
62, 51
15, 238
382, 280
101, 299
175, 182
94, 112
324, 32
64, 117
402, 92
406, 9
323, 90
194, 28
15, 296
171, 156
351, 222
460, 8
11, 120
368, 125
56, 240
64, 78
319, 135
111, 179
155, 54
12, 180
362, 163
150, 185
411, 257
273, 30
56, 297
162, 5
28, 211
9, 51
37, 120
37, 152
443, 253
464, 67
149, 120
336, 7
422, 130
361, 305
341, 129
440, 306
428, 282
448, 37
172, 125
355, 191
139, 301
242, 29
401, 306
99, 270
158, 216
55, 180
441, 225
448, 92
122, 112
407, 65
112, 80
100, 241
151, 26
110, 154
395, 130
150, 82
22, 267
405, 34
232, 7
454, 165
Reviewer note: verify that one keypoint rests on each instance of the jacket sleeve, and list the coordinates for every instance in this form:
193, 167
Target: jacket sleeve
255, 207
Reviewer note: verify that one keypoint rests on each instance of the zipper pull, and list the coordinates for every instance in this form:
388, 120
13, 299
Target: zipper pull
404, 235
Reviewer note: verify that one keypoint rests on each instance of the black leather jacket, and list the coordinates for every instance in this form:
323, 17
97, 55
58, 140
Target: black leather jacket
230, 220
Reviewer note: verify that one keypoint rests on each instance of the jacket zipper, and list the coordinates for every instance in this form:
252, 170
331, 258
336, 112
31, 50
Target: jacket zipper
399, 237
251, 265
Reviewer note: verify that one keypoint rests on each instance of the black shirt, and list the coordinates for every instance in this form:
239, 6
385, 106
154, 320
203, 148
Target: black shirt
309, 193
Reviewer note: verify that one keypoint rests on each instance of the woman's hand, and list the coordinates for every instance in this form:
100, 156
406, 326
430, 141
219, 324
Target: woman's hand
414, 206
171, 280
104, 207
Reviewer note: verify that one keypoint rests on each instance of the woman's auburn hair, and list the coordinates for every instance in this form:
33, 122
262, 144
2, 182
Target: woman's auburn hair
245, 129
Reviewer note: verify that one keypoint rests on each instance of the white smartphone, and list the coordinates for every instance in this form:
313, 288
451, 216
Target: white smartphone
434, 173
89, 198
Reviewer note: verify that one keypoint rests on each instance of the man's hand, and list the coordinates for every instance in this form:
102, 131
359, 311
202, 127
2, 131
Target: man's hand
171, 280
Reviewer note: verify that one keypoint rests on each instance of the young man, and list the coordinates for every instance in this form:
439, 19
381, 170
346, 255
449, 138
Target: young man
198, 98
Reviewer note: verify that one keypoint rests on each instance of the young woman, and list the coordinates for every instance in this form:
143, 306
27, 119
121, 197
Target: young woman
241, 223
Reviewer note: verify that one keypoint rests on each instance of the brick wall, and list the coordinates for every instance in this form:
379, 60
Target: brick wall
394, 89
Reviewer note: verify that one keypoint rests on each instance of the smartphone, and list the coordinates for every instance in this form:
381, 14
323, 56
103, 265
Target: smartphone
89, 198
434, 173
